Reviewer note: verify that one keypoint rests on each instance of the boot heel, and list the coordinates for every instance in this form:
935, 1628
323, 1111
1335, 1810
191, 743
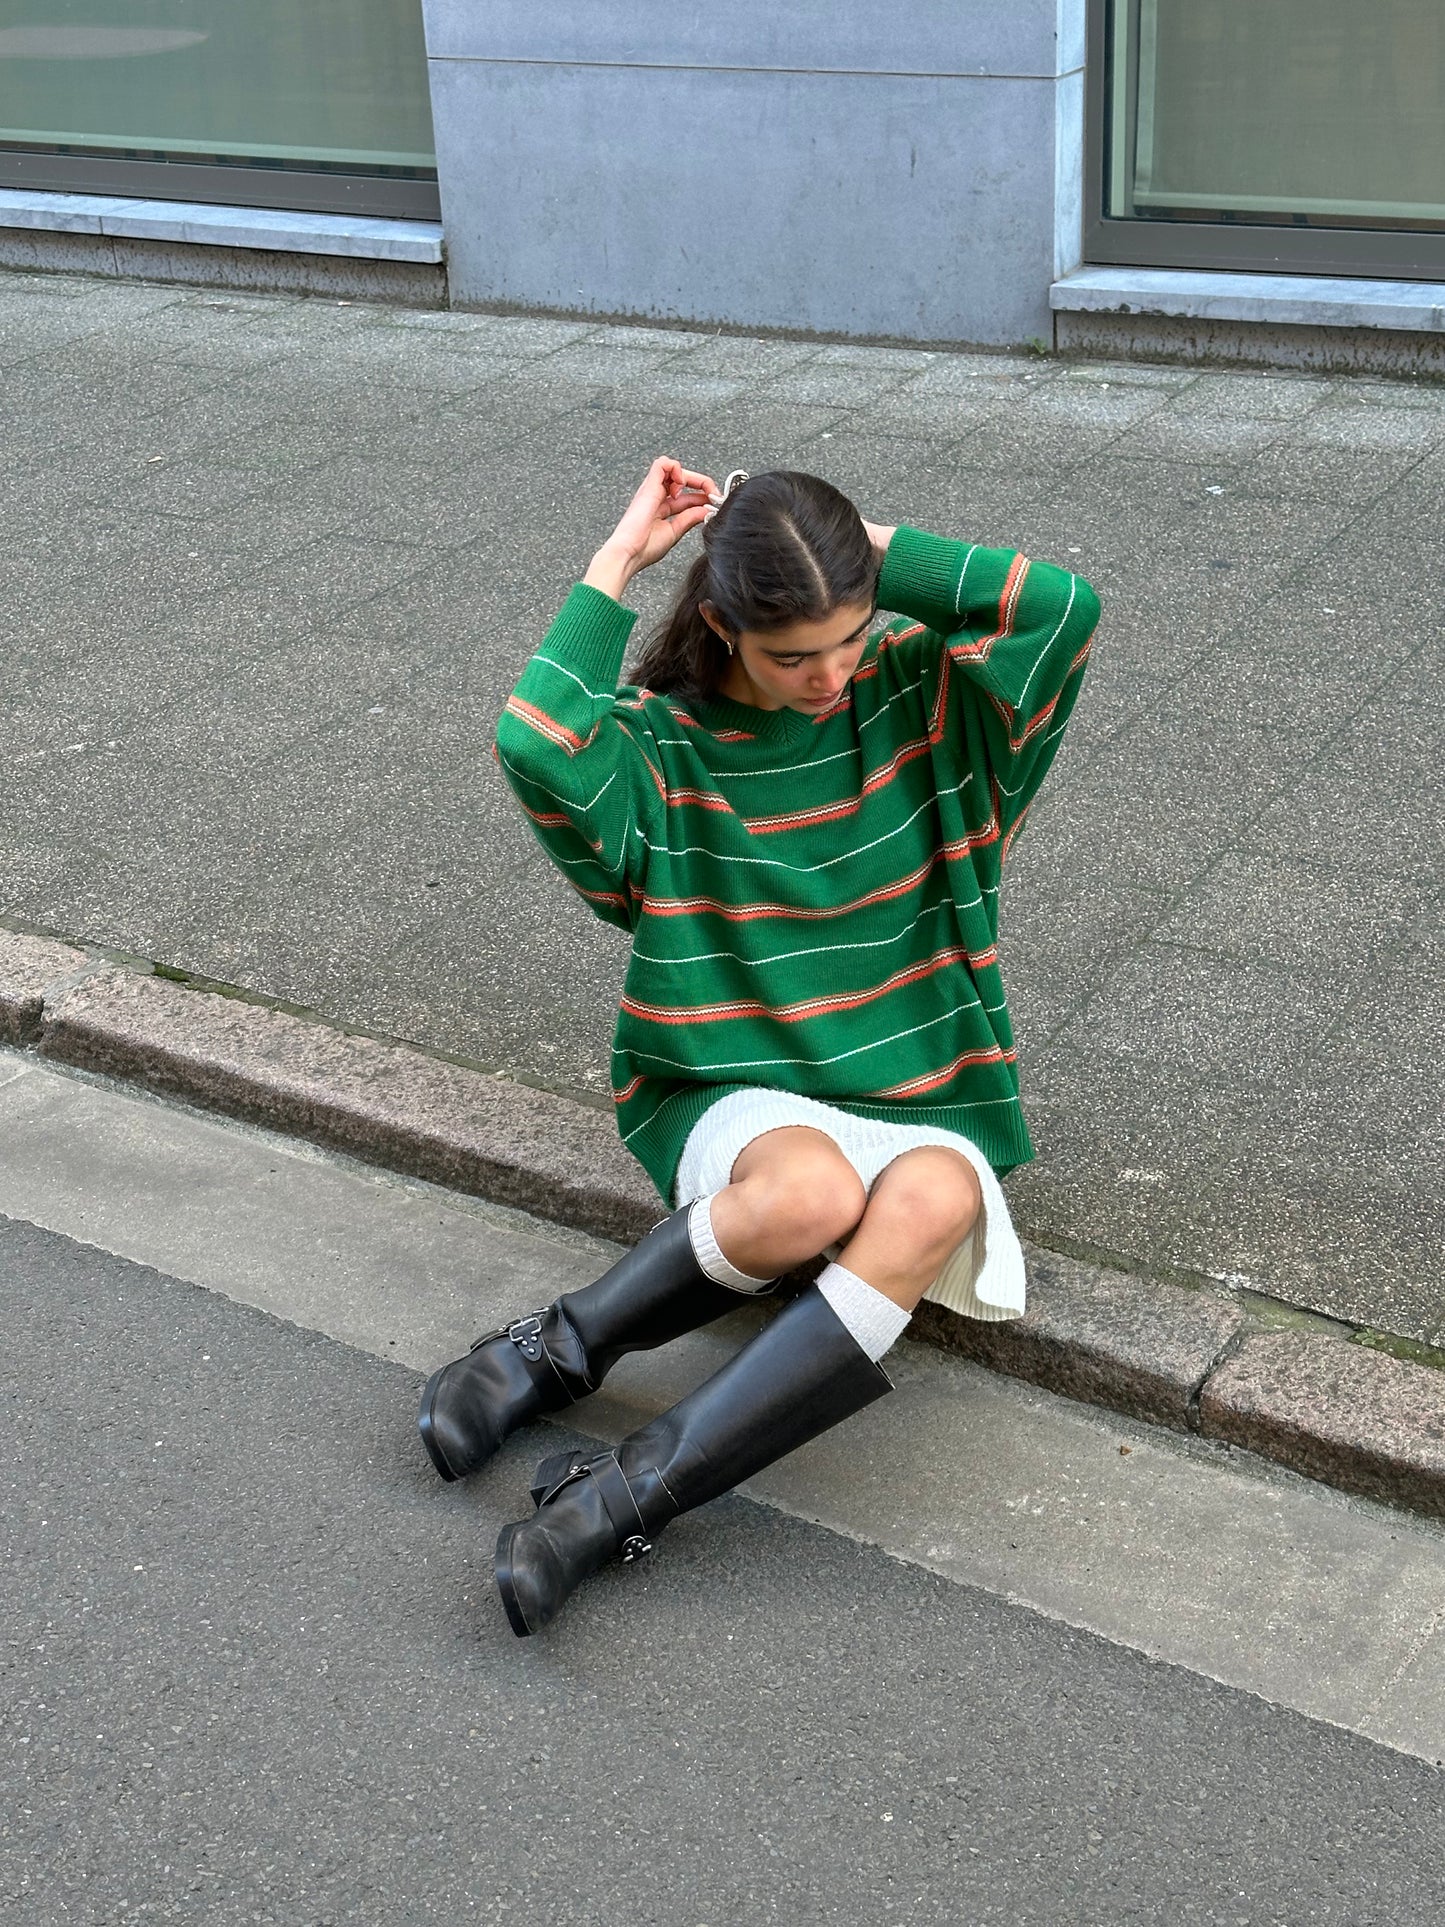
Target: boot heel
424, 1424
503, 1574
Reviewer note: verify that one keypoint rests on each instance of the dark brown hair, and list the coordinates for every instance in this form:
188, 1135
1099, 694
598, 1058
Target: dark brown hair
783, 548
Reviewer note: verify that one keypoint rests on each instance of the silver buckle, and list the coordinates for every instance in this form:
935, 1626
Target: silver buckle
634, 1548
526, 1335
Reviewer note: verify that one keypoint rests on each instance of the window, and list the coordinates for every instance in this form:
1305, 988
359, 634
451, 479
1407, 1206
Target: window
1303, 136
284, 103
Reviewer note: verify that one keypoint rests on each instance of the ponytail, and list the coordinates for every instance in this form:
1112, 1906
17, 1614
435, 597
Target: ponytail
683, 653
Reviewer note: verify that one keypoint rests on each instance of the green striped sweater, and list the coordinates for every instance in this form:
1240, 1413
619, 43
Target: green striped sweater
813, 901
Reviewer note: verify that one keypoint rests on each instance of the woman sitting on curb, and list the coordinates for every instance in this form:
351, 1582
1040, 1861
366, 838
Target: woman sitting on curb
802, 823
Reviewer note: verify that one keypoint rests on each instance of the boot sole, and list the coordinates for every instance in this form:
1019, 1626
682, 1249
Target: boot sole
425, 1427
503, 1572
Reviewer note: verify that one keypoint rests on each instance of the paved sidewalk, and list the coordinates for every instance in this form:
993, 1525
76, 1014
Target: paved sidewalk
271, 565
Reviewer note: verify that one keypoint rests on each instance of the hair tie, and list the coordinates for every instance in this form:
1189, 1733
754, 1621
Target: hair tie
734, 481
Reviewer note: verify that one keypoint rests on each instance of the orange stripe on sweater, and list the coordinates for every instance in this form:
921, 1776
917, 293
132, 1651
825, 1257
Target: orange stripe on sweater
1008, 602
830, 812
750, 912
1009, 713
548, 726
931, 1080
700, 799
796, 1013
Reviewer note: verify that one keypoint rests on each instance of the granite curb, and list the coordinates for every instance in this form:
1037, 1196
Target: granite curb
1191, 1359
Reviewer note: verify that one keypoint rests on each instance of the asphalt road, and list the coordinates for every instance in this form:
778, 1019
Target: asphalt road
254, 1672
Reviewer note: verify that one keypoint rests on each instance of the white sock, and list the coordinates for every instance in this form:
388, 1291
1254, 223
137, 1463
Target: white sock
873, 1319
708, 1251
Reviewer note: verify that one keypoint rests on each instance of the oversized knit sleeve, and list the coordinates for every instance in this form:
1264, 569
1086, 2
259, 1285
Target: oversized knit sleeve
577, 761
1003, 653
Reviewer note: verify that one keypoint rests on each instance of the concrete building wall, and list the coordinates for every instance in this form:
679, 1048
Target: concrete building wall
912, 170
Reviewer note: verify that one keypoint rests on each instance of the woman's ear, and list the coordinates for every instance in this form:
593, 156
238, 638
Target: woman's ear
709, 615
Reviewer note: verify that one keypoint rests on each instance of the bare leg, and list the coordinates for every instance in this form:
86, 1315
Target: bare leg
923, 1205
793, 1194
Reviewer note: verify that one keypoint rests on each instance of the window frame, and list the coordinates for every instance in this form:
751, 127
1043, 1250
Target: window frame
1370, 253
402, 195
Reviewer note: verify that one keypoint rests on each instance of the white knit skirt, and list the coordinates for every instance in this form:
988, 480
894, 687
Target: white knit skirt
983, 1278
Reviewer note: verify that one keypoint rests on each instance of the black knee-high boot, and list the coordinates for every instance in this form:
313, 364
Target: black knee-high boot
555, 1356
800, 1375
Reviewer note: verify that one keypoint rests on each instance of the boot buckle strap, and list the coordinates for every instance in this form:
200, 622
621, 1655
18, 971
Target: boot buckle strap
622, 1508
526, 1335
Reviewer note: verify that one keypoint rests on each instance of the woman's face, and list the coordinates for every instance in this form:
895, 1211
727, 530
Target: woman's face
806, 666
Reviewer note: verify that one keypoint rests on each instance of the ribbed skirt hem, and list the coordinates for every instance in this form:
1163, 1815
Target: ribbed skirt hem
984, 1278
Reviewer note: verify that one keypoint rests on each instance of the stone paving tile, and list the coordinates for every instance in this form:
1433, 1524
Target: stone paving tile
869, 471
1342, 423
941, 420
1134, 374
1325, 473
1166, 432
506, 335
632, 336
754, 435
601, 453
1394, 822
1017, 437
820, 384
117, 562
1074, 404
338, 415
1159, 801
1415, 504
1226, 1179
743, 358
1267, 909
1223, 1017
591, 364
41, 313
1214, 394
1396, 1017
1059, 932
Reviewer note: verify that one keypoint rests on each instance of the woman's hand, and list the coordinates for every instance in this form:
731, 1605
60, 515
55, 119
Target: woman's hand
880, 537
671, 500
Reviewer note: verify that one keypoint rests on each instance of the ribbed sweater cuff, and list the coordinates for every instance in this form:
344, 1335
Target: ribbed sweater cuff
920, 574
589, 635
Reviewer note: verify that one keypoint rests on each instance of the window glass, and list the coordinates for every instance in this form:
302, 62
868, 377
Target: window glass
1328, 112
289, 83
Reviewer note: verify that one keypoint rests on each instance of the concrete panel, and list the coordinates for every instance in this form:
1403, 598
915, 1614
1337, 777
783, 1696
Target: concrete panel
919, 208
1029, 37
1068, 173
1072, 34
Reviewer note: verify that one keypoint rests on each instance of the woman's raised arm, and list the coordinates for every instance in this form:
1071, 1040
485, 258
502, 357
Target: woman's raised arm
585, 780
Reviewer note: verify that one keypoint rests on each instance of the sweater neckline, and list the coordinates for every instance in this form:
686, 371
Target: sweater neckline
767, 725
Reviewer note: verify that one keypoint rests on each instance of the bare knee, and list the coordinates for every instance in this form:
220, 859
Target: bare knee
929, 1198
796, 1186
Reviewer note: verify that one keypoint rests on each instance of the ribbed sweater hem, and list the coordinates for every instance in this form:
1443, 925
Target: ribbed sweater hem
998, 1130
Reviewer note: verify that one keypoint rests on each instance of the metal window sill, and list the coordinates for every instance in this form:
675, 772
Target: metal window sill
362, 237
1295, 300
